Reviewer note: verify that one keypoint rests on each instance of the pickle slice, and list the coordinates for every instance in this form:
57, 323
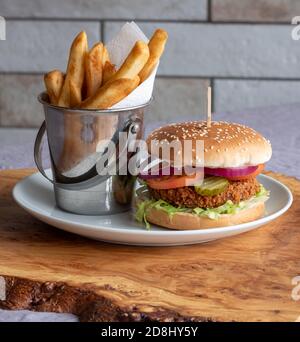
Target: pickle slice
212, 186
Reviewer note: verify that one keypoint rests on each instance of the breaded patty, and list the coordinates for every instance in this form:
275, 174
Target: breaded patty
236, 191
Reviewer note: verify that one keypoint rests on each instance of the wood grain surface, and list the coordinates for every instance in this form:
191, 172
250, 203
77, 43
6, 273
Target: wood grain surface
243, 278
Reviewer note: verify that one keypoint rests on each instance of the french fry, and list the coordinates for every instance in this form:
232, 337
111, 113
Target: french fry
111, 93
54, 81
93, 69
108, 71
105, 56
134, 62
75, 69
75, 95
156, 47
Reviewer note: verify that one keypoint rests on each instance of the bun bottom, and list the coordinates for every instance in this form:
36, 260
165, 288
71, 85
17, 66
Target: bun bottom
187, 221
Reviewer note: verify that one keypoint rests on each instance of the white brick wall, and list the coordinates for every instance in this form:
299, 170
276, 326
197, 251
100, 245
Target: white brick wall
235, 95
210, 50
39, 46
254, 10
106, 9
250, 64
179, 97
18, 100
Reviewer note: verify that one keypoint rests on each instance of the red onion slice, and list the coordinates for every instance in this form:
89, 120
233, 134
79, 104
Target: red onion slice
230, 172
159, 171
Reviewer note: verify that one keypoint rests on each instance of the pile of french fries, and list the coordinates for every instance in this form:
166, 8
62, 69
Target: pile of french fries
92, 81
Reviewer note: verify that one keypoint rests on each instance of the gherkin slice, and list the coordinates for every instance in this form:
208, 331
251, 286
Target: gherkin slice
212, 186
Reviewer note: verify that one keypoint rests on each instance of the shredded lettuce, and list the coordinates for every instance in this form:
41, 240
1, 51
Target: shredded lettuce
213, 213
141, 210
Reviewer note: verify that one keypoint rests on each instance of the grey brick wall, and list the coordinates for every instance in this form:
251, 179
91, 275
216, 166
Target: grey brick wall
106, 9
214, 50
244, 48
255, 10
40, 46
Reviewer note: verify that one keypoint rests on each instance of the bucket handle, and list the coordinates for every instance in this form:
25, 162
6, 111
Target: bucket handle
38, 151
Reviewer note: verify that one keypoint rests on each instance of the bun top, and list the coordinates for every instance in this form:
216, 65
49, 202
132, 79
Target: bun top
225, 144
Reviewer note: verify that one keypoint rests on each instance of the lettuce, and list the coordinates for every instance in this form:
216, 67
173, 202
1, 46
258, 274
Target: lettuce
141, 210
213, 213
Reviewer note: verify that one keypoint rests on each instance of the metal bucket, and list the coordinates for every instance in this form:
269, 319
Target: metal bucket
74, 139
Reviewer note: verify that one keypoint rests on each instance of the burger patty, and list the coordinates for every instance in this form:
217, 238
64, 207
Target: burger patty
236, 191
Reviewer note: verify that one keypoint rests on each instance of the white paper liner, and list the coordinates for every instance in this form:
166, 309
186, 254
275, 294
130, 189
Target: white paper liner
119, 48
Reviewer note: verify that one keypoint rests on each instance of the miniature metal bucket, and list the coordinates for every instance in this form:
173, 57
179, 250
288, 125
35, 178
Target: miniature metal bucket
74, 139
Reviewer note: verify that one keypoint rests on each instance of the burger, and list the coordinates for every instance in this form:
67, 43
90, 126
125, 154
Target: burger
224, 191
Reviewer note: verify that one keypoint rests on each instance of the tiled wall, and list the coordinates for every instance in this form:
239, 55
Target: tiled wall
243, 47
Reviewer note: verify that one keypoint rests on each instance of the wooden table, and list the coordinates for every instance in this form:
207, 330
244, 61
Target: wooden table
243, 278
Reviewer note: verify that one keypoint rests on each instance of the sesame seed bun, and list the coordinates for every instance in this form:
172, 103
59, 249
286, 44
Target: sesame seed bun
225, 144
187, 221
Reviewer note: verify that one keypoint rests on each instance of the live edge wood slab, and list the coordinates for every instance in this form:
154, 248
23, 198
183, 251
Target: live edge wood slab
244, 278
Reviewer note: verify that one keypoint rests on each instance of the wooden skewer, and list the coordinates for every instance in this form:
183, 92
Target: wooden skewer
209, 107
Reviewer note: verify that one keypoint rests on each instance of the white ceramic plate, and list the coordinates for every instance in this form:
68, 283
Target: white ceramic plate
36, 196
